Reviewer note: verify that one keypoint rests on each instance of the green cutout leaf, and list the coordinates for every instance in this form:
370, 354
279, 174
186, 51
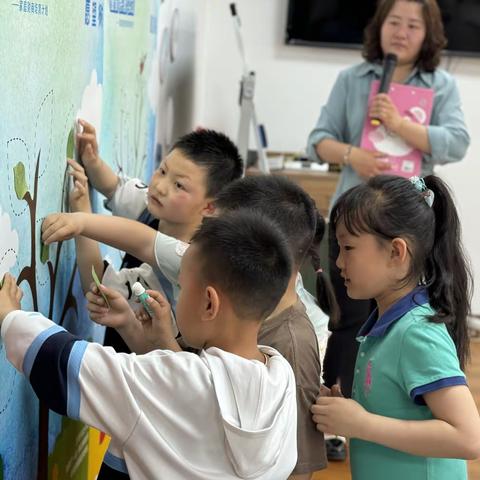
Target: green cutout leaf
71, 144
21, 187
44, 252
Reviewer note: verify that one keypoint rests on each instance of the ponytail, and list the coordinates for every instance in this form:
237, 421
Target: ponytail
324, 291
447, 272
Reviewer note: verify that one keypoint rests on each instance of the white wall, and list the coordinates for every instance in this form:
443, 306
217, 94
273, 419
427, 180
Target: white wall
292, 84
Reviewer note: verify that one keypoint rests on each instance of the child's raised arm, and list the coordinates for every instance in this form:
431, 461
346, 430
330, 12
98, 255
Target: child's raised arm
127, 235
88, 252
103, 178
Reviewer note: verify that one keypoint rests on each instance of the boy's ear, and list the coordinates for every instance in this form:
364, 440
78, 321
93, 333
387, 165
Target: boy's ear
209, 208
212, 304
399, 251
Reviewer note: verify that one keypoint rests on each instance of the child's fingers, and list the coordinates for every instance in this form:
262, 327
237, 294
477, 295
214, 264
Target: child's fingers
75, 165
90, 142
79, 176
142, 316
98, 310
325, 391
7, 282
94, 298
110, 292
11, 288
87, 127
336, 391
80, 188
158, 297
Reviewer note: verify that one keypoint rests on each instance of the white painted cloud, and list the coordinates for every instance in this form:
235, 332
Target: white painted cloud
91, 106
8, 244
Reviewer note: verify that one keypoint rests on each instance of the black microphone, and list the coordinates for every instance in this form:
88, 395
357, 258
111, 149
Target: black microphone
389, 64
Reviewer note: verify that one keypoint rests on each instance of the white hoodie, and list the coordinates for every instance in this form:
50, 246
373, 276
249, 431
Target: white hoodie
172, 415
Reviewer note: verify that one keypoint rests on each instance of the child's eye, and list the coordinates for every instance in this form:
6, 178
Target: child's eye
179, 185
161, 171
348, 247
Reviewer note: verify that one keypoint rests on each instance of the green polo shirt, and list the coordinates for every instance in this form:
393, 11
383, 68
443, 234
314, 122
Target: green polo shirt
401, 357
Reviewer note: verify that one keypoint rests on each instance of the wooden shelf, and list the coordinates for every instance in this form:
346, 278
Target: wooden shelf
319, 185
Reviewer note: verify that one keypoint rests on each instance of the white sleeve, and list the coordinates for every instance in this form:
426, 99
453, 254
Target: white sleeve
91, 383
129, 199
168, 255
19, 331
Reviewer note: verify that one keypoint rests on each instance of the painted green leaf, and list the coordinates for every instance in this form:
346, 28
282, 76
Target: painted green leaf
44, 252
21, 187
71, 144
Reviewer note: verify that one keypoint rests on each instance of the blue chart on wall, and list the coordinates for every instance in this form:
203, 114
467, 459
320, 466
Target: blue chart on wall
61, 61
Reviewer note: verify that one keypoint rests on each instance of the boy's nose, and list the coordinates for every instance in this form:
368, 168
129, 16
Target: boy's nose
159, 186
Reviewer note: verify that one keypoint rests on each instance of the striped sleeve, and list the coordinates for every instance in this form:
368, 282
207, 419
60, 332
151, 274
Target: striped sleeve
82, 380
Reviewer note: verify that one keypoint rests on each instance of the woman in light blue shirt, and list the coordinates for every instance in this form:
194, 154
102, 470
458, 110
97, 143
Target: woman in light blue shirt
413, 30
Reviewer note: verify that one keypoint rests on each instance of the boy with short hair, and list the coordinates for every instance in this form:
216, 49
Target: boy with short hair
180, 193
289, 328
227, 413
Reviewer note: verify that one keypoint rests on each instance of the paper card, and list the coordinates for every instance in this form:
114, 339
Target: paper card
97, 283
415, 105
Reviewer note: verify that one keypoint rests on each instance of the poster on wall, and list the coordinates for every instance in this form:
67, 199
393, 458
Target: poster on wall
61, 61
129, 110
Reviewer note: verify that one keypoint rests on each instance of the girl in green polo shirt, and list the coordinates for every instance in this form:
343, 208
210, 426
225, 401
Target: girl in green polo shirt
411, 415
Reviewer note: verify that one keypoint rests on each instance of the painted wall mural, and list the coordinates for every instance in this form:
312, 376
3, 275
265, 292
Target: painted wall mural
61, 60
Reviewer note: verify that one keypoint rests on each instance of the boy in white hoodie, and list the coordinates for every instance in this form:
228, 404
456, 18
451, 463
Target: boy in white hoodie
227, 413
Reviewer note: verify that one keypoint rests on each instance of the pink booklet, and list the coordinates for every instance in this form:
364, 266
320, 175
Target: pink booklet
414, 104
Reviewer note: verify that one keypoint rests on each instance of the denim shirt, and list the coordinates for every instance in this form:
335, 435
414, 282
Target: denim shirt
343, 117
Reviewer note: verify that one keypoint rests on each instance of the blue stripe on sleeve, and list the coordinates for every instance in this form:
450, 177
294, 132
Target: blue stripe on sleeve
417, 393
114, 462
48, 375
35, 346
73, 386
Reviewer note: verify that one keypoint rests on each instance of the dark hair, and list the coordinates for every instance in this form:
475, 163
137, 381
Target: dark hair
390, 207
214, 151
434, 42
247, 257
294, 211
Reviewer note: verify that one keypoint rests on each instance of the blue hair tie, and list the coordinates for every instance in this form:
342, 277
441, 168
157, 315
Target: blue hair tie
419, 184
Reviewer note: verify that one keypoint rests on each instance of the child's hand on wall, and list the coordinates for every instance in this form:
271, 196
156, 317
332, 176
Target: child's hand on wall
60, 226
79, 198
87, 145
118, 315
10, 296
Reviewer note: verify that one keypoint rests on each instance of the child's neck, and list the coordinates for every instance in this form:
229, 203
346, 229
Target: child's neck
289, 298
388, 298
241, 341
180, 231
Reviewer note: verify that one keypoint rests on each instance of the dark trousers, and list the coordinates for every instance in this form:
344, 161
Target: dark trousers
342, 347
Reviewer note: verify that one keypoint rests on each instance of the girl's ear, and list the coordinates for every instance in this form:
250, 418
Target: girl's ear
209, 208
212, 304
399, 250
